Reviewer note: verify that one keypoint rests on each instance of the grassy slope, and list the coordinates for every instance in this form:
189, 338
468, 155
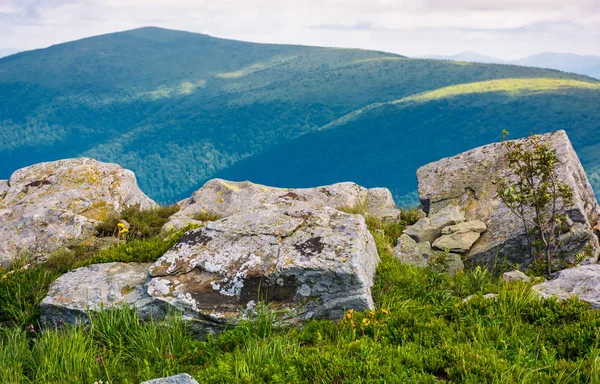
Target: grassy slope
421, 332
178, 107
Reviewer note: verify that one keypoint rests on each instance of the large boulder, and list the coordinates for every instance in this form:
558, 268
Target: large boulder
467, 181
97, 287
582, 281
223, 198
48, 205
310, 263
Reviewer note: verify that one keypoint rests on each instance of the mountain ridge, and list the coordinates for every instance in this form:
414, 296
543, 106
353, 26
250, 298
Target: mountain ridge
179, 108
588, 65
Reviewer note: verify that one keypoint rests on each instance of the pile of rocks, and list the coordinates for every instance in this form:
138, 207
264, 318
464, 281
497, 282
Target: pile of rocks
439, 240
290, 248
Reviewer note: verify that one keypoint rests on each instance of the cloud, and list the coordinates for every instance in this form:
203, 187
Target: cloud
507, 28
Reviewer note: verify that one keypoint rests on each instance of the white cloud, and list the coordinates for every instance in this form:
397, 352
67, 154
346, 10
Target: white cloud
507, 28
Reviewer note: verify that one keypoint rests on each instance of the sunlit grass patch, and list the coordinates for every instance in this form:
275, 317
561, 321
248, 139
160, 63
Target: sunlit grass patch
510, 86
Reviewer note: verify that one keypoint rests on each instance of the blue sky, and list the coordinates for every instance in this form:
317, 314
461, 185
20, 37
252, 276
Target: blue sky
507, 29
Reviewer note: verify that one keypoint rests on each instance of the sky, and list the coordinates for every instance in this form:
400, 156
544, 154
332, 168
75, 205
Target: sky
508, 29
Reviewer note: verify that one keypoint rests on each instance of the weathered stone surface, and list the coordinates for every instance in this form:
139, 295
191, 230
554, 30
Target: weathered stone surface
3, 188
380, 204
451, 264
467, 226
459, 242
50, 204
315, 263
467, 181
515, 276
182, 378
95, 287
427, 229
582, 281
226, 198
410, 252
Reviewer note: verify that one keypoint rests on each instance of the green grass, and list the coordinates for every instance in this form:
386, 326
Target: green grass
420, 332
144, 224
512, 87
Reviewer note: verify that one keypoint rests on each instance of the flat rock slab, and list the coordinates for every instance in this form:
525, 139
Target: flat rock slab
582, 281
98, 286
428, 229
183, 378
311, 263
468, 180
226, 198
47, 205
459, 242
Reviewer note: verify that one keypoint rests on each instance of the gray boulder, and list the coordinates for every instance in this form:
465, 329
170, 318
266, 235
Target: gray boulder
182, 378
310, 263
467, 181
582, 281
515, 276
428, 229
225, 198
98, 286
47, 205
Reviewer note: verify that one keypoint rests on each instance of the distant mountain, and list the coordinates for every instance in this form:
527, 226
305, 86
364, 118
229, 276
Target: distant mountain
7, 51
179, 108
470, 57
566, 62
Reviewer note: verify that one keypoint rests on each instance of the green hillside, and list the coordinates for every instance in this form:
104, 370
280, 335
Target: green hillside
179, 108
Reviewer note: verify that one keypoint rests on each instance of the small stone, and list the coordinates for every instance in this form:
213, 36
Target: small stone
182, 378
515, 276
125, 223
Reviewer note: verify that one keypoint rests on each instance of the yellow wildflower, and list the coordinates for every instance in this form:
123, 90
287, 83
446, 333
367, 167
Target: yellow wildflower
366, 321
385, 311
122, 228
371, 314
5, 276
349, 313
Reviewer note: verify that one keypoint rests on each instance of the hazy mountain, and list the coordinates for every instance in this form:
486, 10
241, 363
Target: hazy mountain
179, 108
7, 51
470, 57
567, 62
585, 65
